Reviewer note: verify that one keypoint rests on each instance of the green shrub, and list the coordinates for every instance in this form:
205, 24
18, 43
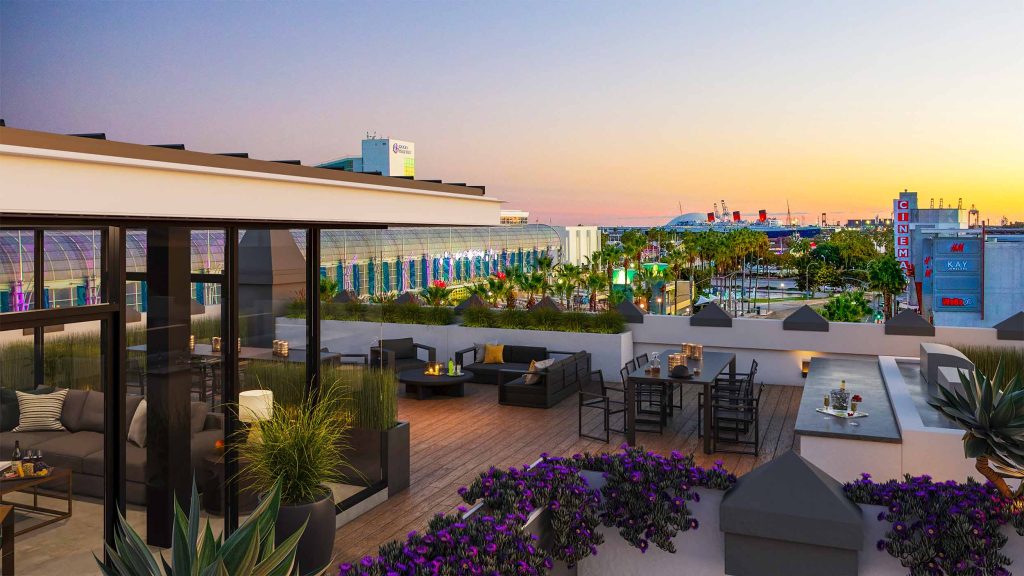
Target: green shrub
478, 317
300, 448
610, 322
369, 396
986, 358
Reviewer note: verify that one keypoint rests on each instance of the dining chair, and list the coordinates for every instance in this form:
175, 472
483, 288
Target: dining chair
609, 401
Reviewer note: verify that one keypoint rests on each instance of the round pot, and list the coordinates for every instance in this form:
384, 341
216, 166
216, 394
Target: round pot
317, 542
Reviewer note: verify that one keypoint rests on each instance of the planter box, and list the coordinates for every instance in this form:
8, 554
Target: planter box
381, 458
610, 351
699, 552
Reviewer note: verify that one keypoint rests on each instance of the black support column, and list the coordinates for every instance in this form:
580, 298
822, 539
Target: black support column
113, 346
168, 379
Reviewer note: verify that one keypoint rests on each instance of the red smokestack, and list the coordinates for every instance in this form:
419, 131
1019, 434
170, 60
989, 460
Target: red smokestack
762, 215
711, 216
735, 215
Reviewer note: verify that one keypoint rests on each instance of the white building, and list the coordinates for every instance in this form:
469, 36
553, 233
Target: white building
579, 243
515, 217
386, 156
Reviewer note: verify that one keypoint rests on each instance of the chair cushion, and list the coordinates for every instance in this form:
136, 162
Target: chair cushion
92, 413
137, 428
525, 354
494, 354
537, 366
198, 416
71, 414
9, 406
409, 364
71, 450
402, 347
38, 412
26, 440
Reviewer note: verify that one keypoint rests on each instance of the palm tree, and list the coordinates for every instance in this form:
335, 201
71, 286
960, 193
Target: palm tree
991, 412
633, 244
569, 278
513, 279
611, 255
886, 276
595, 281
533, 283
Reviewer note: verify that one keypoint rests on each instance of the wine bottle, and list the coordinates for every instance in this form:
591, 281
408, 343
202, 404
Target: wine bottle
16, 455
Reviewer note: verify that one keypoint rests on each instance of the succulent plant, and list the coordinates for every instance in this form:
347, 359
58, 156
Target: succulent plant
991, 412
249, 551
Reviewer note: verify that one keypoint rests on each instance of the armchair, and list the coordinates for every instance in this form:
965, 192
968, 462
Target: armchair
401, 354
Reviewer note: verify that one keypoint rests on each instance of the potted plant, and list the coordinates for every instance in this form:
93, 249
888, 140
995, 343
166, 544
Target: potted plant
378, 450
989, 410
299, 447
195, 553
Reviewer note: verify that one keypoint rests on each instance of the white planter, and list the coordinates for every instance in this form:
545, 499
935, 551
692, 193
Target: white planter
609, 352
699, 552
874, 562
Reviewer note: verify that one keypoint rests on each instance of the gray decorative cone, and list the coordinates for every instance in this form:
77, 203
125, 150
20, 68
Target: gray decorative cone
408, 298
806, 319
632, 313
345, 296
909, 323
1012, 328
547, 303
711, 315
474, 301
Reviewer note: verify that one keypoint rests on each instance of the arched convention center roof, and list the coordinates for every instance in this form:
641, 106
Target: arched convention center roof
72, 255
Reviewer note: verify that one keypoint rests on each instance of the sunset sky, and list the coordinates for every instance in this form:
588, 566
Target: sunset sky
580, 112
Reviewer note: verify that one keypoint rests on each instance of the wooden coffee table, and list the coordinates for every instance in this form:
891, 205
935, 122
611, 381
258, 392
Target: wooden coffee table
31, 486
426, 384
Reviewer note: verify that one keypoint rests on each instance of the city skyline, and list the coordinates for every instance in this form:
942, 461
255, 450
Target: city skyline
593, 115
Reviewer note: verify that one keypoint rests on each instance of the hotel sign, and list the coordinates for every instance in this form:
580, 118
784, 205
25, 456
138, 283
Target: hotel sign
955, 270
901, 233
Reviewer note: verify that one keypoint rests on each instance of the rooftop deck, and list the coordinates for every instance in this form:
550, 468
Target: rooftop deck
453, 439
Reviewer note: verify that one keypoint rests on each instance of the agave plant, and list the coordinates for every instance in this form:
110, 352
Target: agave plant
991, 412
249, 551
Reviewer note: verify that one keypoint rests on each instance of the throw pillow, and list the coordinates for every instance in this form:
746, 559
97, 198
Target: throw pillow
494, 353
39, 412
480, 349
536, 366
137, 429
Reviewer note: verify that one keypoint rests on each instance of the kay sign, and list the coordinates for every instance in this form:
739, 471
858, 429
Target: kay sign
901, 232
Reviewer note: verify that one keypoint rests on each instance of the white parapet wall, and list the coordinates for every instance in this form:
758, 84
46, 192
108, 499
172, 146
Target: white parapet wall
779, 352
608, 351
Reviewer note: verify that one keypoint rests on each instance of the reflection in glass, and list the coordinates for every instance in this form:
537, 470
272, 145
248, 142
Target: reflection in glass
17, 272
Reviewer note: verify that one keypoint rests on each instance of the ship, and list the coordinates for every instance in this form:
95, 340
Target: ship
724, 221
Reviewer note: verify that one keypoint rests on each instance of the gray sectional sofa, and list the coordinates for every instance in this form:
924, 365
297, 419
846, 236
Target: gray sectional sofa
80, 447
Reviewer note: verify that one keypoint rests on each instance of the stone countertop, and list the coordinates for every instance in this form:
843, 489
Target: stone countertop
862, 377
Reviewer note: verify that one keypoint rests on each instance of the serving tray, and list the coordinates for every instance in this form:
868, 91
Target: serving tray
841, 414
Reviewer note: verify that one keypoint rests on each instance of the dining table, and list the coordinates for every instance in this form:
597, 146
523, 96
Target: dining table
703, 372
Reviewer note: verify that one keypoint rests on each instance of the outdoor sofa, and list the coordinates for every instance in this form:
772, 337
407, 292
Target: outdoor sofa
551, 385
514, 358
79, 448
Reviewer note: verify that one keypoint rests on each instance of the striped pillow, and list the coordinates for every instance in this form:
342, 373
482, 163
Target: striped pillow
40, 411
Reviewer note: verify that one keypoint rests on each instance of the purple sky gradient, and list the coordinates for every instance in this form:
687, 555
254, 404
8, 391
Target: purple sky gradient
596, 112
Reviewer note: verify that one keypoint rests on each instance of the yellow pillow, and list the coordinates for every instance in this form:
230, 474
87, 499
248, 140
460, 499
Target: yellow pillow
494, 353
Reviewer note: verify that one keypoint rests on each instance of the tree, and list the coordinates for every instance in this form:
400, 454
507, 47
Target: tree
886, 276
438, 293
328, 289
991, 412
633, 244
595, 281
847, 307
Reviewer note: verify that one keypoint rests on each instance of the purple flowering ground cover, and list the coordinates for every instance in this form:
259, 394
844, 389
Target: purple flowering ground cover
644, 496
942, 528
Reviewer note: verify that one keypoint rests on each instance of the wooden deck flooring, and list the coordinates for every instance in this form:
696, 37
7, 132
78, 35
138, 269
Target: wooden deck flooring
454, 439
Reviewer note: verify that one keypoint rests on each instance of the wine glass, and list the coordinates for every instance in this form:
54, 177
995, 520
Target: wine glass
826, 405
